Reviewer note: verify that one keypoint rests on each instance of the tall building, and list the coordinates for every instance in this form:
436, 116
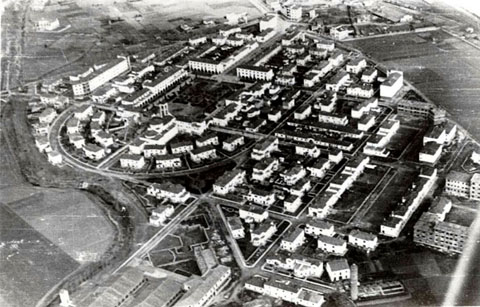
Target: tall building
84, 84
475, 187
463, 185
443, 228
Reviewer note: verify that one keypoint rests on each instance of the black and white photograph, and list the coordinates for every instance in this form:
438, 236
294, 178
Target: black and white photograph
230, 153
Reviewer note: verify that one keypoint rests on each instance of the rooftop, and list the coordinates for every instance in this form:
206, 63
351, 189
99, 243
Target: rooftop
363, 235
331, 240
338, 265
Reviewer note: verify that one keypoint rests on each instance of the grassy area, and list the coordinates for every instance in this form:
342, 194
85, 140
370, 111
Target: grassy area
401, 140
167, 243
161, 257
69, 219
389, 198
353, 198
187, 268
31, 264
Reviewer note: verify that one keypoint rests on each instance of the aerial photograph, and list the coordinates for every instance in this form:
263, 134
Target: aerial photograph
258, 153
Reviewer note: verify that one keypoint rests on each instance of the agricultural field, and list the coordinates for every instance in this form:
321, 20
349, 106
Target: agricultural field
443, 67
45, 234
67, 218
36, 262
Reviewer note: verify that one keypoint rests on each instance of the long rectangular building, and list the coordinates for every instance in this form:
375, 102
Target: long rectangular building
255, 73
86, 83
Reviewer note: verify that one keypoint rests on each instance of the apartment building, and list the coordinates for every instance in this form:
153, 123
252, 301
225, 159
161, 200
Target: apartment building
317, 227
421, 109
287, 291
132, 161
369, 75
458, 184
229, 181
430, 153
263, 149
441, 230
168, 161
236, 227
255, 73
356, 65
84, 84
338, 270
332, 245
261, 197
233, 142
201, 154
363, 240
94, 152
262, 233
166, 81
301, 267
253, 213
293, 240
307, 150
206, 140
176, 193
392, 84
292, 203
263, 170
206, 287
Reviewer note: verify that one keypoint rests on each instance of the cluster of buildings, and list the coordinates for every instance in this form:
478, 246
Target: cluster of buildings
328, 240
377, 144
434, 142
417, 192
230, 47
159, 142
323, 205
41, 128
287, 291
148, 286
89, 123
290, 290
442, 228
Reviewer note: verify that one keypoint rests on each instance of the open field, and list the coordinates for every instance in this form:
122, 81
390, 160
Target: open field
166, 11
31, 264
444, 68
68, 219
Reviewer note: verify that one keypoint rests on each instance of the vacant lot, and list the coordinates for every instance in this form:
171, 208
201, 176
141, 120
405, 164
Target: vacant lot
68, 219
388, 200
444, 68
31, 264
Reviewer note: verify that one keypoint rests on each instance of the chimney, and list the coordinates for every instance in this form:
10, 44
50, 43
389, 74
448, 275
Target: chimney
354, 282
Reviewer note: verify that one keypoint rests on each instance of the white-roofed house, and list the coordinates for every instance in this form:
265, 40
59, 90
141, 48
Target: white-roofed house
332, 245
